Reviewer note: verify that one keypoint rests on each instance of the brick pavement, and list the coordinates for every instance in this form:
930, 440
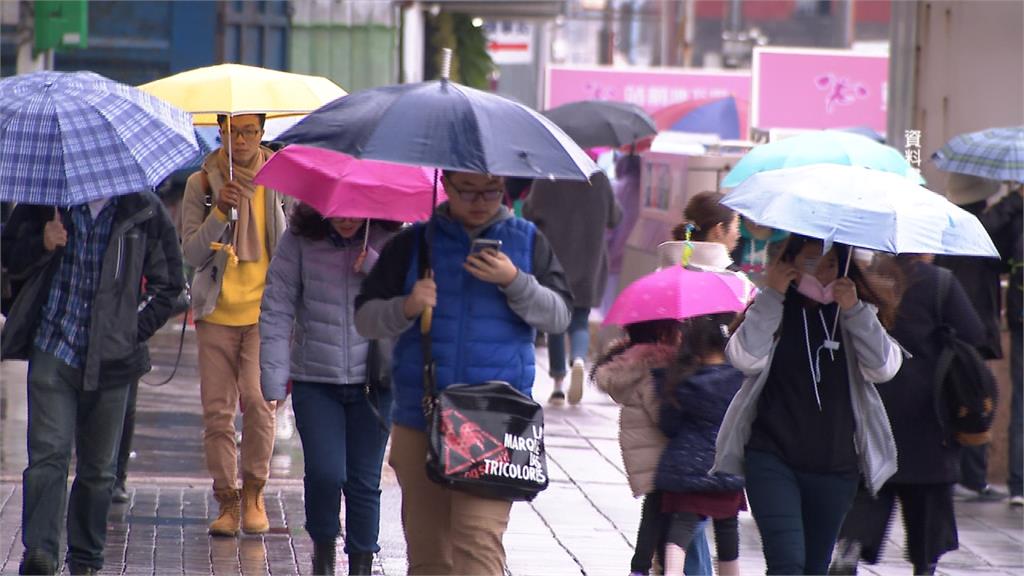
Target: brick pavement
585, 523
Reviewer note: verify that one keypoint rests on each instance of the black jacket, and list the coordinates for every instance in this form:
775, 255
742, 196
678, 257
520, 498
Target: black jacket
980, 276
692, 429
924, 456
143, 244
1005, 223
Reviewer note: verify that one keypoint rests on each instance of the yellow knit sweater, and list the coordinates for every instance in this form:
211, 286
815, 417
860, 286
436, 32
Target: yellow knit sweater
242, 288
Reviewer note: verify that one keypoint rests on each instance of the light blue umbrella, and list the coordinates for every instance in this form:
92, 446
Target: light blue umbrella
996, 154
860, 207
72, 137
825, 147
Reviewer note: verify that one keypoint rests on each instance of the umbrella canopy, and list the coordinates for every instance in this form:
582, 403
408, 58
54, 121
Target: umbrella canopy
708, 116
338, 185
865, 131
825, 147
860, 207
70, 138
678, 293
996, 154
238, 89
594, 123
445, 125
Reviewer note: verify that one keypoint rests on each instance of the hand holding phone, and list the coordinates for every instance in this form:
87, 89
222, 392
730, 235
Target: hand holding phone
487, 263
482, 244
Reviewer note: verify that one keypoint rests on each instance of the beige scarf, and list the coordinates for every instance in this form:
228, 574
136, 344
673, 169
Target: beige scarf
248, 244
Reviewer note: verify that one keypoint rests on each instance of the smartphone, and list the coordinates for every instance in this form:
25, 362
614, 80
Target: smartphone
481, 244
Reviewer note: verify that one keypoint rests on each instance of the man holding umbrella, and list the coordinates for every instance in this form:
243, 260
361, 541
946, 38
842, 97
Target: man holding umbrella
83, 236
488, 305
226, 293
85, 339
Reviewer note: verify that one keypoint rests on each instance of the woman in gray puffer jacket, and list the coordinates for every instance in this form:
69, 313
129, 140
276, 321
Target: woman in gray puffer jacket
341, 394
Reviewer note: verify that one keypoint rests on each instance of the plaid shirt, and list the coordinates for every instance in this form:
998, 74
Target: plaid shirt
64, 327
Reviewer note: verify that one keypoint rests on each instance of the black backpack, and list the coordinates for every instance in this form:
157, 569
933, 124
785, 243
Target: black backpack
966, 393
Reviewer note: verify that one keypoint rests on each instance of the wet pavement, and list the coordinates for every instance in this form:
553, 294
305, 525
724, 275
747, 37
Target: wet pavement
585, 523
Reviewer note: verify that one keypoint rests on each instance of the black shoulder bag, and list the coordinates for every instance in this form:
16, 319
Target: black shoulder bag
487, 438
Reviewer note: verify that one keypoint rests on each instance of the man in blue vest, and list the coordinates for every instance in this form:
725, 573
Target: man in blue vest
487, 307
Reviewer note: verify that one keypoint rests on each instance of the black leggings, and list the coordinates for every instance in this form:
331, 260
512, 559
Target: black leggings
727, 533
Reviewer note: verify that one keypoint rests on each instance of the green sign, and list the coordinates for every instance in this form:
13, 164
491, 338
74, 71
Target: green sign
61, 24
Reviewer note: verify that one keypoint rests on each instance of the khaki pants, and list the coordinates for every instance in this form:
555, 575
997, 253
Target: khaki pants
446, 531
229, 369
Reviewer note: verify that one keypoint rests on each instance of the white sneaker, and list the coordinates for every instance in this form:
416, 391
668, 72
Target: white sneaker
285, 425
576, 381
1017, 500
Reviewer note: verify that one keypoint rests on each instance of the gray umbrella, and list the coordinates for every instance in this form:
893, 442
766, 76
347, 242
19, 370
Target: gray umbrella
601, 123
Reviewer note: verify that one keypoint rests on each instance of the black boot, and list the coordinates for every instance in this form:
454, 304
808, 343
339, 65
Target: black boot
925, 570
323, 558
36, 562
360, 563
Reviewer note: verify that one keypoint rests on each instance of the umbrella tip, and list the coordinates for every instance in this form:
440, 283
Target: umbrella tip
446, 63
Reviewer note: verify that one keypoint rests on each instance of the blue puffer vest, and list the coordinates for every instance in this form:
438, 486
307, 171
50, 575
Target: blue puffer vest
476, 336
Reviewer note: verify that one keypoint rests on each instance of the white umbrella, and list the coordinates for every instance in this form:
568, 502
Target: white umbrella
860, 207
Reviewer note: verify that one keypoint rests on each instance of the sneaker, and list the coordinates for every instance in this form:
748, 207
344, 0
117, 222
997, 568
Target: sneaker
986, 494
1017, 500
120, 493
557, 398
576, 381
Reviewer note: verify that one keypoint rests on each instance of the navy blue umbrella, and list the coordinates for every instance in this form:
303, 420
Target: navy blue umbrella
445, 125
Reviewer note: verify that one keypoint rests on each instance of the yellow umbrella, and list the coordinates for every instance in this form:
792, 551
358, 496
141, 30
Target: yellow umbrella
235, 89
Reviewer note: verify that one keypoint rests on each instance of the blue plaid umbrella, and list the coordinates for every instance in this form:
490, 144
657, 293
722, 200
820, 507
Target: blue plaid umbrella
996, 154
70, 138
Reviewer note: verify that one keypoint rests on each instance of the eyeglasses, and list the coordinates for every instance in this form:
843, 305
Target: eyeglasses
471, 195
247, 133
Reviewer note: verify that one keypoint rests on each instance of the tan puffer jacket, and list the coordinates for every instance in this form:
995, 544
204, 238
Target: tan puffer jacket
627, 379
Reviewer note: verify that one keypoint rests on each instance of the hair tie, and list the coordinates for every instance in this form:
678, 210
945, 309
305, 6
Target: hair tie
688, 244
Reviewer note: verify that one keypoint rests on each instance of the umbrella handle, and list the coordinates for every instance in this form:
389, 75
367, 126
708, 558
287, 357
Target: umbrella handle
426, 319
846, 274
233, 213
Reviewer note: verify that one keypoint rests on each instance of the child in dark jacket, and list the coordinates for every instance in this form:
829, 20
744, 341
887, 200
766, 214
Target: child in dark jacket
696, 391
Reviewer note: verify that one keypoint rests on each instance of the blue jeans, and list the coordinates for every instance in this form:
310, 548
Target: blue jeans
974, 467
60, 414
579, 343
1016, 460
799, 514
343, 448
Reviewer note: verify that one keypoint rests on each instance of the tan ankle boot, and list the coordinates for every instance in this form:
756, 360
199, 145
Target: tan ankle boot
254, 511
230, 516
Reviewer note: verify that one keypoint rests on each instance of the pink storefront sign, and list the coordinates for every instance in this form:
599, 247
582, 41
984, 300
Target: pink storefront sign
797, 88
649, 88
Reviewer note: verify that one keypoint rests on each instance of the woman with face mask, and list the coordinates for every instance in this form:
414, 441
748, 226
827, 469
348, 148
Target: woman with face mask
808, 423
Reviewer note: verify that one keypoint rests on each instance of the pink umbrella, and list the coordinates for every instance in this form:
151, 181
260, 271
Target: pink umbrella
338, 185
679, 293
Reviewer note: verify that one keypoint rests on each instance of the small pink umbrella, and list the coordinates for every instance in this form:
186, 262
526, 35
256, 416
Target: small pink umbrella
678, 293
341, 186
